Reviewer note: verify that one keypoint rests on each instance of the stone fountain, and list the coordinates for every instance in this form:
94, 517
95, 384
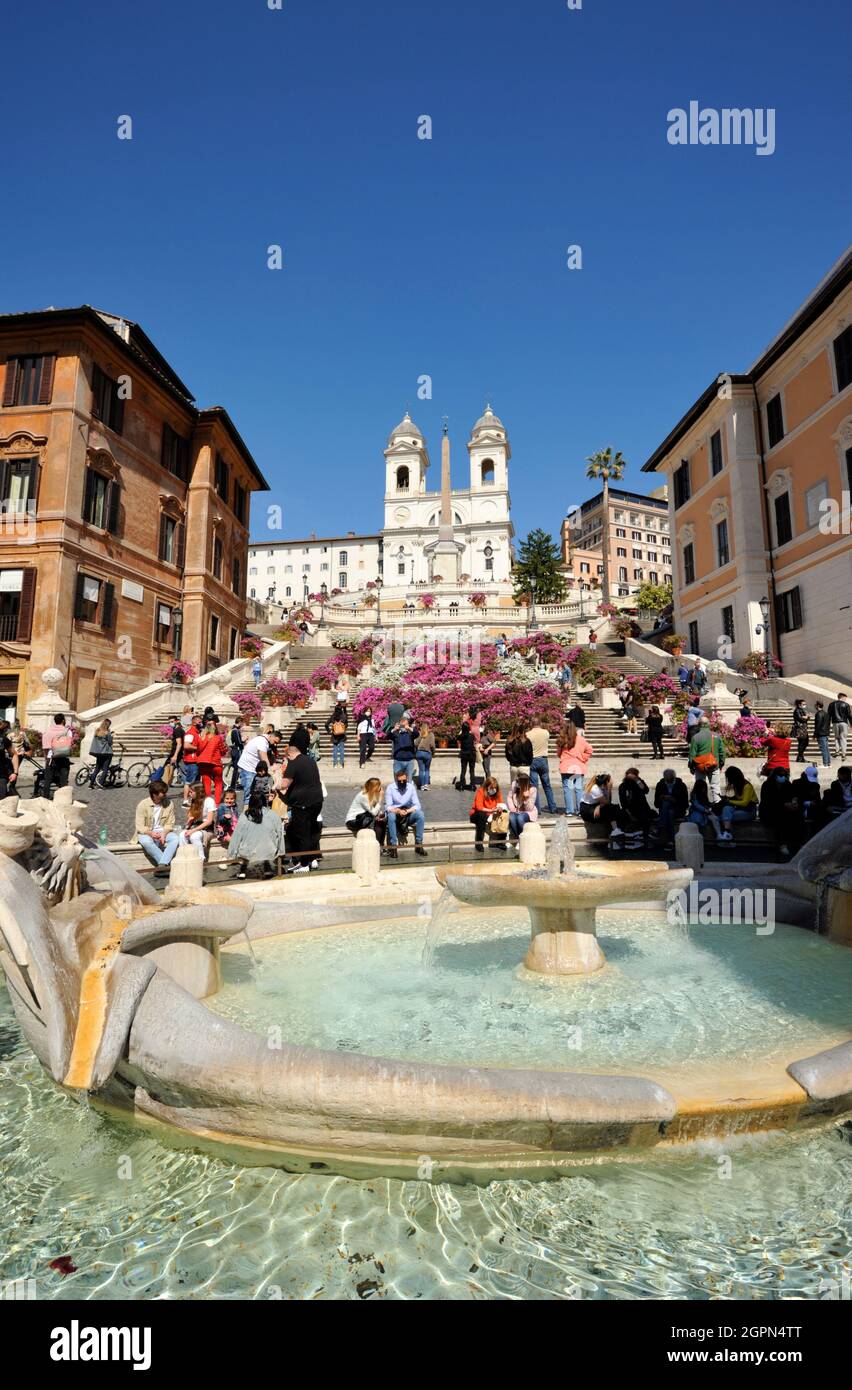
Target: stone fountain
562, 900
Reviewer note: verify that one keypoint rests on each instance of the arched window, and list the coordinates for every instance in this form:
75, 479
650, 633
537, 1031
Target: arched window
402, 479
487, 472
288, 591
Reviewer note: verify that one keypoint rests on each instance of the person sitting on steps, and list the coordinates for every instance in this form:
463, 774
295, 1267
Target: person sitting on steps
403, 809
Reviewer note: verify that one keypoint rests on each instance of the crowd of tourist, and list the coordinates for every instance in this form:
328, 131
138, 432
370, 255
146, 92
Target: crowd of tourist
280, 785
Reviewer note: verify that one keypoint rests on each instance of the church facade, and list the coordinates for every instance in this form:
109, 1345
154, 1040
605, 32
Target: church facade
429, 535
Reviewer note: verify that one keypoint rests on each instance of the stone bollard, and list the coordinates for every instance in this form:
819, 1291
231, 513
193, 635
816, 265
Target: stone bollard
689, 846
532, 844
187, 868
366, 857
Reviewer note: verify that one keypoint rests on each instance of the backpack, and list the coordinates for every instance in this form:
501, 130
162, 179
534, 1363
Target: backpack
338, 727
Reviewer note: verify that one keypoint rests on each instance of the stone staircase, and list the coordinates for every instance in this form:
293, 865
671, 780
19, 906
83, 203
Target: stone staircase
603, 726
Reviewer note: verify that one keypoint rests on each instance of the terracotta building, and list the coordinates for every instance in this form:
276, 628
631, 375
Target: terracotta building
639, 542
125, 514
761, 473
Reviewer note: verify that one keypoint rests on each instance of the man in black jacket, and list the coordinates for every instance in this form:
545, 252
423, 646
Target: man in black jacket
800, 729
840, 715
671, 800
633, 793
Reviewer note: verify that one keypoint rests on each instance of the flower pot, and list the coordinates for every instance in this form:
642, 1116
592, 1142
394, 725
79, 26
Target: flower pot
442, 743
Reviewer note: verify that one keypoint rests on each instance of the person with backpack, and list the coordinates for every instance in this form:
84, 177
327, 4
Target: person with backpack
654, 728
57, 742
336, 725
237, 744
800, 729
840, 718
707, 757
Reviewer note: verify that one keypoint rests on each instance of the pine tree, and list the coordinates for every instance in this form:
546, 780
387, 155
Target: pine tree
539, 559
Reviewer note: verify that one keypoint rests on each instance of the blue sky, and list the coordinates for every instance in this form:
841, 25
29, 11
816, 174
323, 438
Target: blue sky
405, 257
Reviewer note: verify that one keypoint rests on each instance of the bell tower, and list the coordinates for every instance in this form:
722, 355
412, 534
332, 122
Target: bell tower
406, 462
489, 455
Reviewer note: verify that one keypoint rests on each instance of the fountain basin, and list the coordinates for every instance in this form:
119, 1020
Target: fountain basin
563, 907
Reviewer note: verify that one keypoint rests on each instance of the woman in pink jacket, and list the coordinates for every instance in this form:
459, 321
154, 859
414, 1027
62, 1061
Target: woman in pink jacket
521, 802
574, 752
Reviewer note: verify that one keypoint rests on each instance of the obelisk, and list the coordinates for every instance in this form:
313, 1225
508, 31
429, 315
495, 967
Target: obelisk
446, 555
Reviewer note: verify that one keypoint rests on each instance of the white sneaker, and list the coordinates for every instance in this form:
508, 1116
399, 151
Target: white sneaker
302, 869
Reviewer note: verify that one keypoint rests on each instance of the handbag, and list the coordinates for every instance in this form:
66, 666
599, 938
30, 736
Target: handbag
499, 823
166, 773
705, 762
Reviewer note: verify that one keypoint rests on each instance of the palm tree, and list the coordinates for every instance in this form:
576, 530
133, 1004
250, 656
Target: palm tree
602, 466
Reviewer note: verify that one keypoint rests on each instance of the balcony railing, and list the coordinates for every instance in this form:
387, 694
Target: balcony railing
8, 627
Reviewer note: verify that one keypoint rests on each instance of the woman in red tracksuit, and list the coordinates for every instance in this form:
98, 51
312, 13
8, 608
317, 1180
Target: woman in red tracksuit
211, 749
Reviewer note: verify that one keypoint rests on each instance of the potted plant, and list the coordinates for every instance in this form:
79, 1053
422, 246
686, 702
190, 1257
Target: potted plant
674, 643
427, 601
179, 672
478, 599
294, 694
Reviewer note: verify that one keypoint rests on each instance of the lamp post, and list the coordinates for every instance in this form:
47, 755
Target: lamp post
532, 624
766, 628
323, 600
379, 587
177, 619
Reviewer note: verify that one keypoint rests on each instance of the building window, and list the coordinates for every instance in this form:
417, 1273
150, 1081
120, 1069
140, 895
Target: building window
253, 593
488, 472
783, 519
652, 555
619, 516
621, 552
400, 569
240, 504
29, 381
236, 576
666, 540
620, 532
584, 567
288, 592
270, 569
716, 453
637, 554
218, 556
18, 482
17, 601
164, 627
171, 540
343, 558
693, 637
94, 601
222, 478
728, 623
636, 535
489, 563
622, 574
107, 405
253, 569
402, 479
288, 569
342, 580
232, 644
214, 634
101, 497
774, 421
688, 564
653, 577
174, 454
788, 610
682, 486
722, 549
849, 470
843, 358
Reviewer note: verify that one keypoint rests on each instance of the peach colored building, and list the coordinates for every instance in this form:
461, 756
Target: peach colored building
125, 514
760, 472
639, 542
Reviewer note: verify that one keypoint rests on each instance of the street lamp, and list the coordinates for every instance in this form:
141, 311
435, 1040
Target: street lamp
532, 625
766, 628
177, 619
323, 599
379, 587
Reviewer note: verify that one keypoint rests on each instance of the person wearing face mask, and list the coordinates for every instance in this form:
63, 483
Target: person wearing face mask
779, 809
402, 807
671, 799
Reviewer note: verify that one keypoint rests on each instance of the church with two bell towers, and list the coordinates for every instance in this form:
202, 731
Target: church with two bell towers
429, 537
448, 536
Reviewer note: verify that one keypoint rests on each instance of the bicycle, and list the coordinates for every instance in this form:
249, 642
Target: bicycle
140, 774
116, 775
